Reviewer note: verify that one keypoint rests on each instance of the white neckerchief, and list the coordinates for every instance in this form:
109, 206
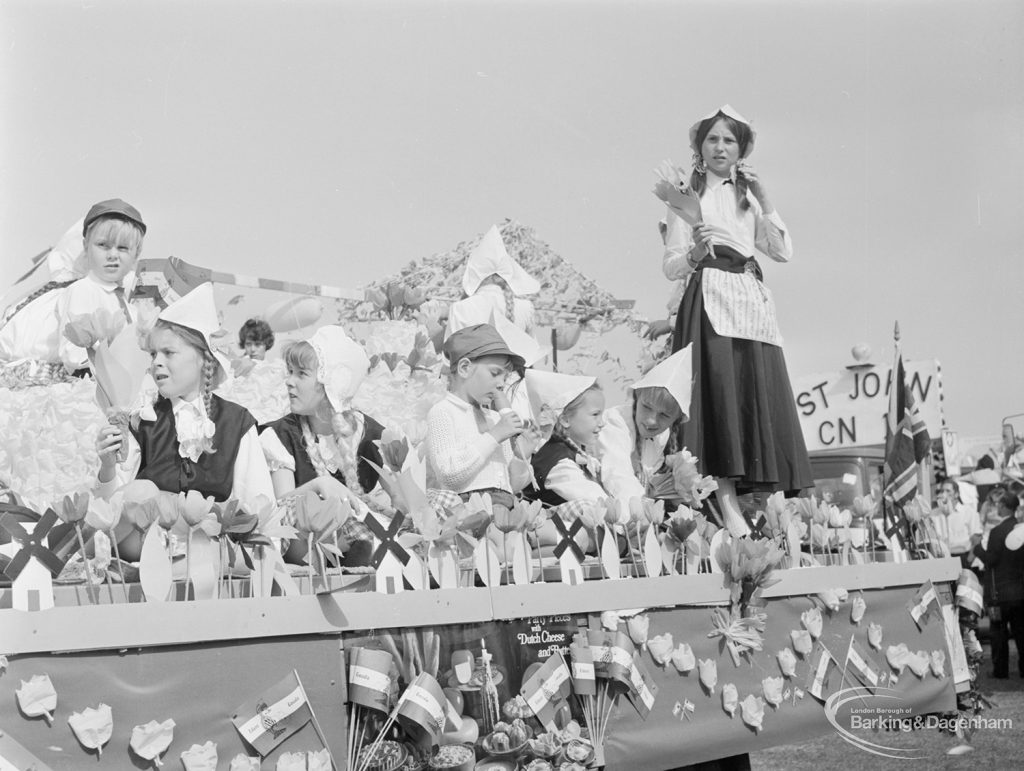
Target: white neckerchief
193, 427
323, 451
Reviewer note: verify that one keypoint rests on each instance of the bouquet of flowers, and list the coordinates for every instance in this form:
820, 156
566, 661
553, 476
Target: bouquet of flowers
672, 188
682, 481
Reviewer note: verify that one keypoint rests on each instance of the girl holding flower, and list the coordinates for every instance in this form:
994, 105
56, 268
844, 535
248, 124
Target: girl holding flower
743, 426
189, 438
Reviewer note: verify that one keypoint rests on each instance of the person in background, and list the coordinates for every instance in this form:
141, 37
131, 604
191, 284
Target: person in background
493, 283
1004, 588
957, 524
255, 338
743, 422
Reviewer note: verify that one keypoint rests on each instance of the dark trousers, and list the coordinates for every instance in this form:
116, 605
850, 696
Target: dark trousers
1010, 624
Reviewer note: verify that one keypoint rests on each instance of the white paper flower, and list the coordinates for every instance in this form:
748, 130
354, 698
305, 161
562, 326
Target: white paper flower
875, 636
802, 642
683, 658
638, 627
938, 659
857, 608
898, 657
812, 622
787, 662
610, 620
708, 670
771, 687
752, 710
660, 647
730, 699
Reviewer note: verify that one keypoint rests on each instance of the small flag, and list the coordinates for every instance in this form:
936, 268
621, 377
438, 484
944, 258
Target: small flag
549, 683
862, 665
274, 715
823, 666
643, 690
613, 654
923, 604
369, 678
423, 704
584, 681
907, 443
968, 592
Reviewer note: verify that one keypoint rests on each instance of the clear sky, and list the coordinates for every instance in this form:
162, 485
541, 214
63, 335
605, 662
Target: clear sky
332, 142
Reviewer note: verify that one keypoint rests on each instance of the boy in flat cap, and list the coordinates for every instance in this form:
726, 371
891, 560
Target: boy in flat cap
468, 447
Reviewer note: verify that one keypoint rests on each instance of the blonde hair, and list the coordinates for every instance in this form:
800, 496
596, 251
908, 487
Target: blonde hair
345, 425
208, 370
115, 229
659, 398
571, 408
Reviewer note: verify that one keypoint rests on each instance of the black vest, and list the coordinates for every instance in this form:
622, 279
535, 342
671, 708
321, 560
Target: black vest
289, 431
213, 474
545, 459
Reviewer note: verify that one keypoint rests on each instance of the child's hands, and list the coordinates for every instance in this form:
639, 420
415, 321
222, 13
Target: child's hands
509, 424
108, 442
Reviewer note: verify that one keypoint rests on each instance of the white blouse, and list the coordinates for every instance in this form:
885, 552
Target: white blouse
737, 304
615, 450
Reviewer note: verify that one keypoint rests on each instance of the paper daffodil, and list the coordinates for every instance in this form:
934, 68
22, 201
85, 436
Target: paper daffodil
683, 658
752, 711
771, 687
708, 669
244, 763
919, 663
638, 627
875, 636
812, 622
898, 657
938, 659
37, 697
787, 662
151, 739
802, 642
200, 757
730, 699
857, 608
610, 620
93, 727
660, 647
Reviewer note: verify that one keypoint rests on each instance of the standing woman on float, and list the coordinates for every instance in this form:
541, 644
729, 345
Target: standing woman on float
743, 424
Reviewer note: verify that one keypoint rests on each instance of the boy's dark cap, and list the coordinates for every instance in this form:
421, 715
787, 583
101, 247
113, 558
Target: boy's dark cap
478, 341
115, 207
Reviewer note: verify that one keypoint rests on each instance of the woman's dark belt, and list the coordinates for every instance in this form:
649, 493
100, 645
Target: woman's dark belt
728, 259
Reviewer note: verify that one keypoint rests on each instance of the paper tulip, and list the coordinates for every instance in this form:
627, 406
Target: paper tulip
394, 449
771, 687
830, 599
919, 663
875, 636
787, 662
898, 657
376, 297
938, 659
37, 697
102, 515
682, 658
93, 727
752, 711
802, 642
708, 670
811, 620
200, 757
857, 608
194, 507
837, 518
413, 297
638, 627
167, 510
730, 699
660, 647
244, 763
72, 509
610, 620
151, 739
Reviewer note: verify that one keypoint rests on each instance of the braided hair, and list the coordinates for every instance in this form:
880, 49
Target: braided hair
208, 370
49, 286
506, 290
698, 181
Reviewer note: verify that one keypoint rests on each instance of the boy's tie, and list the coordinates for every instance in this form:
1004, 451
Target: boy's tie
119, 294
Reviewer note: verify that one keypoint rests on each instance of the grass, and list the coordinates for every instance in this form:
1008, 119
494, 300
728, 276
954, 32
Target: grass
993, 749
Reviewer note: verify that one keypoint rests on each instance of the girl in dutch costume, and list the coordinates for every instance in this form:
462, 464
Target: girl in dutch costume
189, 438
324, 444
743, 424
566, 468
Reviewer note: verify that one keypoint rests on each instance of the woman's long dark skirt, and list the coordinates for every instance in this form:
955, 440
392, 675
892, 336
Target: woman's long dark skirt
743, 423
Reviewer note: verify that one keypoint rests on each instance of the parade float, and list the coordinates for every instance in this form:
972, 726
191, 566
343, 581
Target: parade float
451, 651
